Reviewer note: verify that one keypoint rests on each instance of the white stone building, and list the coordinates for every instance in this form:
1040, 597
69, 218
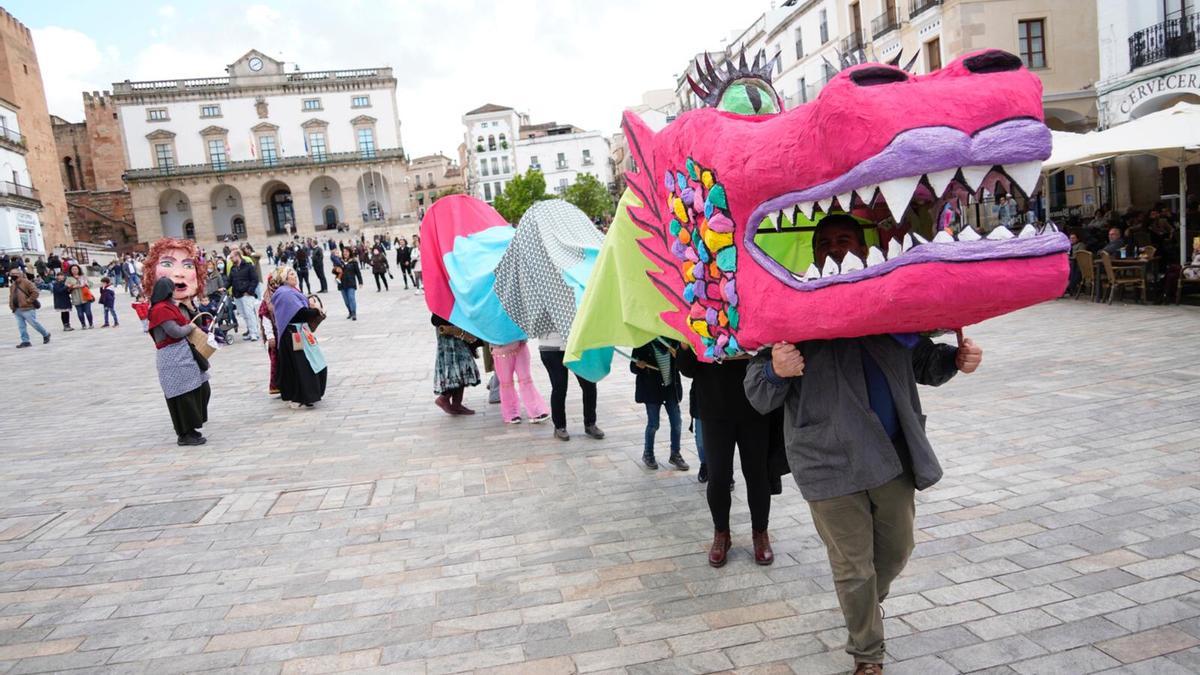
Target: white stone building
263, 151
20, 225
1149, 61
562, 152
491, 141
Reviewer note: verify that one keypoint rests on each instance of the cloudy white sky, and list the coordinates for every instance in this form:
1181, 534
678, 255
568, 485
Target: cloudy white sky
567, 60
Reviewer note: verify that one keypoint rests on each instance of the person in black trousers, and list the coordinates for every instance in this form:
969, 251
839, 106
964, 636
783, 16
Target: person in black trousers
404, 262
550, 348
728, 419
317, 258
301, 267
379, 267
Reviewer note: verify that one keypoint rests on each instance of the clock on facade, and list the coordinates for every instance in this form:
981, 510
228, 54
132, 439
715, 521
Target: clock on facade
256, 64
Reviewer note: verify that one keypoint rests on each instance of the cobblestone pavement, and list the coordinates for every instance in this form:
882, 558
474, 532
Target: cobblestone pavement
375, 533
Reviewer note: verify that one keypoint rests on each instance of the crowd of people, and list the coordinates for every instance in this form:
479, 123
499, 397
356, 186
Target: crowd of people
842, 416
1134, 234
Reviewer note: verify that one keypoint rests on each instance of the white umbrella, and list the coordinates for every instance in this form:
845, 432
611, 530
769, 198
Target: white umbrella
1171, 135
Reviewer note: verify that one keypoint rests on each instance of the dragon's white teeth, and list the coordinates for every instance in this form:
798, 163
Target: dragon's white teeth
920, 239
894, 249
940, 180
897, 193
806, 208
943, 237
812, 273
974, 175
908, 243
844, 201
1050, 228
875, 257
825, 204
779, 225
830, 269
999, 233
1025, 175
1027, 231
867, 194
968, 233
851, 263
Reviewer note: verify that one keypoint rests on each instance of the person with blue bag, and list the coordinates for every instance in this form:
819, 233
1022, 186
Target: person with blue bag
302, 371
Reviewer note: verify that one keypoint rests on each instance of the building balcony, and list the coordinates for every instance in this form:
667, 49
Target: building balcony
560, 165
915, 7
12, 140
588, 162
260, 164
218, 83
884, 23
852, 43
1162, 41
23, 196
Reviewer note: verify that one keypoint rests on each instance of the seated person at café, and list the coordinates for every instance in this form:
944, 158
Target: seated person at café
1116, 243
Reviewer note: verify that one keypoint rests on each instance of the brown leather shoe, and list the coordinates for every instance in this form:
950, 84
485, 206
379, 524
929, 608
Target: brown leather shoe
719, 551
868, 669
763, 555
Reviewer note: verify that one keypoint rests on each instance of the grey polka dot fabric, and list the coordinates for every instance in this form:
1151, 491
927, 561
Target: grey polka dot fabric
552, 236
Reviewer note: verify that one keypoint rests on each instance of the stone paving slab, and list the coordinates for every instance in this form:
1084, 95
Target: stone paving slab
376, 534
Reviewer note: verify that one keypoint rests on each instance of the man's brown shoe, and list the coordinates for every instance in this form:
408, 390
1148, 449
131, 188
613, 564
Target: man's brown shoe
868, 669
719, 551
763, 555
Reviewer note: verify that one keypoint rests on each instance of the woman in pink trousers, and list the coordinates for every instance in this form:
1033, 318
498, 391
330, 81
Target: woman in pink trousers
512, 360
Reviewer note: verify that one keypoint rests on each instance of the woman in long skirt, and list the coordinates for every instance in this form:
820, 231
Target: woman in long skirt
301, 372
455, 368
266, 325
183, 383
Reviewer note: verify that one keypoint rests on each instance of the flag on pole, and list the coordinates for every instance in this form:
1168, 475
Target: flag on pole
252, 153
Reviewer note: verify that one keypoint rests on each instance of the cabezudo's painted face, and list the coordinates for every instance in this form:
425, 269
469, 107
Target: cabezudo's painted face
175, 265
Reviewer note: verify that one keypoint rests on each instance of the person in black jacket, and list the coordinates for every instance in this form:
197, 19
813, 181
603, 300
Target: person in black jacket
62, 299
300, 264
243, 285
404, 262
317, 257
349, 276
658, 386
727, 419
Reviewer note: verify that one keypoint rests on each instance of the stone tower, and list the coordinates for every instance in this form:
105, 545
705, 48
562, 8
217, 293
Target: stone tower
21, 83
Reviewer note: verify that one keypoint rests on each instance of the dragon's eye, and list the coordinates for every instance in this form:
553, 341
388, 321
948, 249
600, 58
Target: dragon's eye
749, 96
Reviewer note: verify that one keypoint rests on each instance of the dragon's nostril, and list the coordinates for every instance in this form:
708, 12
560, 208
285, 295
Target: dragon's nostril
869, 77
992, 61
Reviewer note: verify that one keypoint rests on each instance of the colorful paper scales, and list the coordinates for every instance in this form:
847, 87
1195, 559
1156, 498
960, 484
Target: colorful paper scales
702, 240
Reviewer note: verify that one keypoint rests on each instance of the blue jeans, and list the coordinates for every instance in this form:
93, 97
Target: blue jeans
110, 311
699, 440
652, 416
83, 311
350, 300
29, 316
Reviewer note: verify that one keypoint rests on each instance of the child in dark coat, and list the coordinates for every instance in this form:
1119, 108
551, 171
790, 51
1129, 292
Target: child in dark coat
658, 386
108, 300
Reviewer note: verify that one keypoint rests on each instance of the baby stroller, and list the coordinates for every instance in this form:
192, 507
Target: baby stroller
224, 319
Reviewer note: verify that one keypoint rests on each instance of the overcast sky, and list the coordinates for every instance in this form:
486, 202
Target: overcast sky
569, 61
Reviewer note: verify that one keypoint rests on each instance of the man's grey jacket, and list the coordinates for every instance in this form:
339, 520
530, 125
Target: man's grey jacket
836, 445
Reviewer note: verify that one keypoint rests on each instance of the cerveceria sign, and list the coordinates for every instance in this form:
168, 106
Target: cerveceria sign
1128, 98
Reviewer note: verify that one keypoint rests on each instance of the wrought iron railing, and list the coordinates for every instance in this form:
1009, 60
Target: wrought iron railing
1167, 40
915, 7
264, 163
852, 43
11, 136
884, 23
10, 189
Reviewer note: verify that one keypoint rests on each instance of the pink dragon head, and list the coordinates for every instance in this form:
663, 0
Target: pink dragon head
719, 182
